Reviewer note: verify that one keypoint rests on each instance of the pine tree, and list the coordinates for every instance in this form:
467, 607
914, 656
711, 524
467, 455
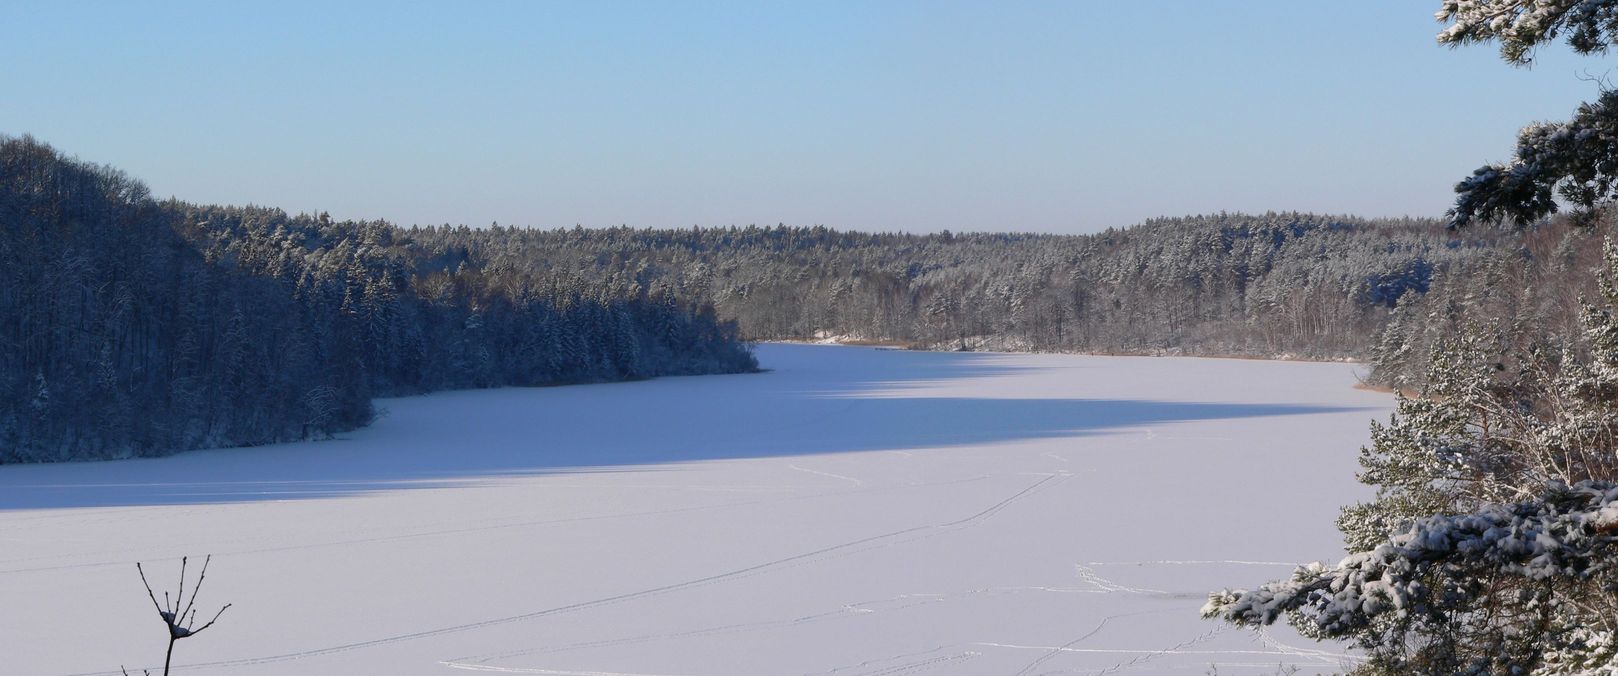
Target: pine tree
1492, 544
1577, 159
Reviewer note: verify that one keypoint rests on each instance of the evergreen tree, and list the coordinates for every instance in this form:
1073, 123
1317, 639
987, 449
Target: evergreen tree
1492, 544
134, 327
1577, 159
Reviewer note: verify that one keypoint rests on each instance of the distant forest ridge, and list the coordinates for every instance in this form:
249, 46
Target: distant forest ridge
131, 326
1271, 285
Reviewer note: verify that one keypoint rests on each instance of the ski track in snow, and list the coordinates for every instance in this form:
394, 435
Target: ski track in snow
1176, 649
450, 532
1089, 576
1058, 650
1194, 562
839, 477
1268, 638
1104, 472
897, 603
842, 549
527, 670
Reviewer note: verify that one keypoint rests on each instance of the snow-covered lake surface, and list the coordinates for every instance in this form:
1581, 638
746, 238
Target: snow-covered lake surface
853, 511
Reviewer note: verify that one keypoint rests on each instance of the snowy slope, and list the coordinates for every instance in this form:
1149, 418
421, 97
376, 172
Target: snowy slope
853, 511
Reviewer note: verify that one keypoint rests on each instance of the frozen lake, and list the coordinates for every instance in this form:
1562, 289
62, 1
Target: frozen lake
853, 511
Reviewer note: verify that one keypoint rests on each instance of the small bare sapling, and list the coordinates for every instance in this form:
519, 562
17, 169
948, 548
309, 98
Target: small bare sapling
180, 613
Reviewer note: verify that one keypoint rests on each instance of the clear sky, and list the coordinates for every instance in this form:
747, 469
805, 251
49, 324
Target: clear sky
1063, 117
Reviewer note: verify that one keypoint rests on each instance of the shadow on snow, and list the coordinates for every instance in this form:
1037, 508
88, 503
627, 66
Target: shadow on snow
807, 404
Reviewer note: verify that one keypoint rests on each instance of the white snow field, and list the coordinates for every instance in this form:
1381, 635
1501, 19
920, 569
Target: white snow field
852, 511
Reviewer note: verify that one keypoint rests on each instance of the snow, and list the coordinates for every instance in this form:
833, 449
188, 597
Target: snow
851, 511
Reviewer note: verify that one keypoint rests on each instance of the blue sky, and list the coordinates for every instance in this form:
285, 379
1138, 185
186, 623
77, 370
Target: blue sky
1060, 117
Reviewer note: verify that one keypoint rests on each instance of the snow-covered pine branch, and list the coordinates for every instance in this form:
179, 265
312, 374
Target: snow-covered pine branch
1492, 544
1576, 160
1591, 26
1497, 590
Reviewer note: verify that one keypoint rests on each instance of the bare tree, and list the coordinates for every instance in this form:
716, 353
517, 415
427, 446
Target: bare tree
180, 615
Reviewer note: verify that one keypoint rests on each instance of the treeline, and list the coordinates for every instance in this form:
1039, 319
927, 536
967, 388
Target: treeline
1530, 296
130, 326
1491, 545
1275, 284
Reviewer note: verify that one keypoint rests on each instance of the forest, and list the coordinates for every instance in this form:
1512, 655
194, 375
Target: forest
131, 326
137, 326
1270, 285
1491, 544
1486, 538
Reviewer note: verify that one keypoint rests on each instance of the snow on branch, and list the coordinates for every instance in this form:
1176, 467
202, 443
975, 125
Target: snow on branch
1577, 159
180, 612
1444, 571
1591, 26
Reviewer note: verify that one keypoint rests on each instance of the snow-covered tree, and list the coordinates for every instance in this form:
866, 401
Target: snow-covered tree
1492, 544
1526, 587
1577, 159
1520, 26
133, 327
